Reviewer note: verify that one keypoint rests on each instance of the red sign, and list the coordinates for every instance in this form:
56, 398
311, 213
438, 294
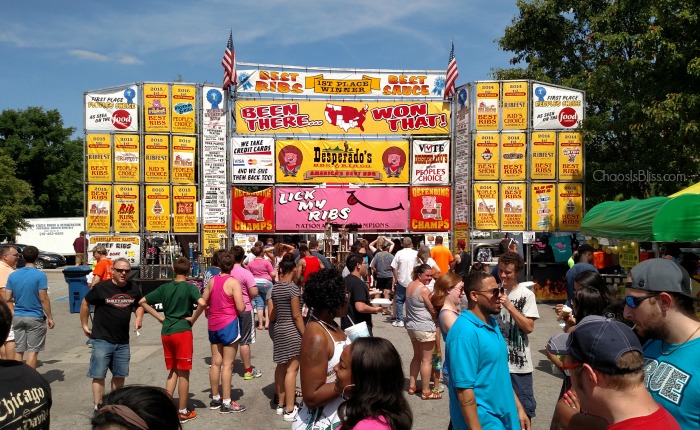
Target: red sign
252, 212
430, 209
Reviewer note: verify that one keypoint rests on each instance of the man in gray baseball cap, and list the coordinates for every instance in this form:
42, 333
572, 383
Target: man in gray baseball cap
604, 359
659, 303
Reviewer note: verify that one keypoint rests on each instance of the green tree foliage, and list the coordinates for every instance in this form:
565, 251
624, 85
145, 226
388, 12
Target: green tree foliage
15, 199
46, 157
639, 63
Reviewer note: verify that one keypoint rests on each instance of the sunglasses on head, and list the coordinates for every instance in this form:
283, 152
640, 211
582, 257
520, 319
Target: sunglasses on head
633, 302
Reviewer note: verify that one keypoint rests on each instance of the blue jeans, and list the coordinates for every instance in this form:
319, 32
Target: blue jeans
400, 299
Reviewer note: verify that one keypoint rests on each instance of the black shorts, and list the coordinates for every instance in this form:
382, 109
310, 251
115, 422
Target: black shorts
384, 283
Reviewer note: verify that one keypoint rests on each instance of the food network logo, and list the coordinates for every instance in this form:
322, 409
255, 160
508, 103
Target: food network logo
637, 176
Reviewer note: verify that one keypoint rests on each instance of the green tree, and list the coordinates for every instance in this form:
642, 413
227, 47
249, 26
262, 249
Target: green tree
15, 200
46, 157
639, 63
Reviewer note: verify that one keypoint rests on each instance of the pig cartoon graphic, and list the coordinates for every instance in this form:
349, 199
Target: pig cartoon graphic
346, 117
290, 159
394, 160
431, 209
251, 209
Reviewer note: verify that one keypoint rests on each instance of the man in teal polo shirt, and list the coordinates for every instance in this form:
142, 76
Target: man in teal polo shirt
481, 393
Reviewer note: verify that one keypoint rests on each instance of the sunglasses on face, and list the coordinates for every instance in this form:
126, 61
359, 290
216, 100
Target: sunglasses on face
633, 302
567, 367
120, 270
498, 291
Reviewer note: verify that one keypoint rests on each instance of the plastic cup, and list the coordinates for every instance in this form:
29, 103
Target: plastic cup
357, 331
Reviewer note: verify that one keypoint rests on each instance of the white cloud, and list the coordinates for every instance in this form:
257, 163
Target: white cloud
94, 56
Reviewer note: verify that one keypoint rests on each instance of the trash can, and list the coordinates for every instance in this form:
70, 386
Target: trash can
75, 277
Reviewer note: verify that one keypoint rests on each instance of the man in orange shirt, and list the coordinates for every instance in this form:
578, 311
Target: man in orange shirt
442, 256
103, 269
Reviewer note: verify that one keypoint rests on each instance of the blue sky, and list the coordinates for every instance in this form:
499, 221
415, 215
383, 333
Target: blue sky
54, 51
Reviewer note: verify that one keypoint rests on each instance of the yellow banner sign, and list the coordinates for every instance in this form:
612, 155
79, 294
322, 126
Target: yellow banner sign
156, 156
99, 198
487, 98
342, 161
486, 206
543, 156
183, 108
157, 207
213, 238
513, 207
126, 208
570, 156
486, 156
628, 253
543, 201
570, 206
184, 202
99, 162
515, 105
322, 85
126, 158
339, 117
513, 156
183, 159
156, 107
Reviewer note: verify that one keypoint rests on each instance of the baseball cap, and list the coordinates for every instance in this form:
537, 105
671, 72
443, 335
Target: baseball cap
660, 274
99, 248
599, 342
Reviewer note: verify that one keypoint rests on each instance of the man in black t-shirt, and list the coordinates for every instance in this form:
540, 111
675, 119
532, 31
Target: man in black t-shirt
25, 394
359, 310
463, 259
114, 301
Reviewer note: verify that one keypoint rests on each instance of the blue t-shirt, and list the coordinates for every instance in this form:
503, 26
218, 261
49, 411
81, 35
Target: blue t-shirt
25, 284
674, 379
477, 358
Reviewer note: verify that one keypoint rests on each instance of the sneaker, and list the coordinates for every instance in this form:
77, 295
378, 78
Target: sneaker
251, 375
232, 407
215, 404
289, 416
280, 409
189, 416
397, 323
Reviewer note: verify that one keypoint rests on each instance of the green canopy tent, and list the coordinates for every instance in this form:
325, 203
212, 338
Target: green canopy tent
658, 219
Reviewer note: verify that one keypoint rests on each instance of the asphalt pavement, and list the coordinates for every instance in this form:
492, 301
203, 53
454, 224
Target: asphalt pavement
65, 361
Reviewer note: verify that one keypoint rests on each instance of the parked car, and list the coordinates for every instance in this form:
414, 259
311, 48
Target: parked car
46, 260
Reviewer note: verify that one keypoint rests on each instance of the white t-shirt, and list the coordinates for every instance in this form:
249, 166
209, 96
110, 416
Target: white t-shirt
404, 261
519, 356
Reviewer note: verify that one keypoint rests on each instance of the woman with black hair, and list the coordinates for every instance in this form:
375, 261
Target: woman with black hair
370, 378
287, 329
137, 408
321, 345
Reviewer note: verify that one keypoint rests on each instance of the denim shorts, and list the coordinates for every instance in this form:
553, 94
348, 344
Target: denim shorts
108, 355
260, 301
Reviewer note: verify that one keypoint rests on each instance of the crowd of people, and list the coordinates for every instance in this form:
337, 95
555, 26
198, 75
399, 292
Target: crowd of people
629, 363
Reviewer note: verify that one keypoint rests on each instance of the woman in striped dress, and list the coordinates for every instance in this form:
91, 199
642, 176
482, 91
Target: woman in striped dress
286, 337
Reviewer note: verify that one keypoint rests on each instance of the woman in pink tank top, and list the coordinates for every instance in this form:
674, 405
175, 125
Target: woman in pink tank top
224, 296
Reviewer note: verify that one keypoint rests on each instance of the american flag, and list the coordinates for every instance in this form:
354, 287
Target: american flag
451, 75
229, 63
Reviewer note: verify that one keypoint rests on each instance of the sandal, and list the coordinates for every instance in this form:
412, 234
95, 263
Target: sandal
430, 395
411, 391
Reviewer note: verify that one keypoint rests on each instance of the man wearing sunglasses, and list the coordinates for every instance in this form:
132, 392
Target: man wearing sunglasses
659, 302
516, 321
481, 393
605, 362
114, 301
